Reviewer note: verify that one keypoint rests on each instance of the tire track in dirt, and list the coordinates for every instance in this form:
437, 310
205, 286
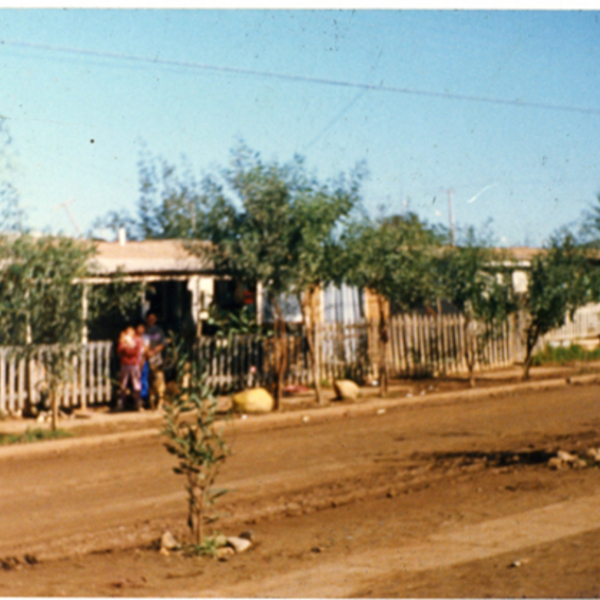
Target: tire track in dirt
483, 540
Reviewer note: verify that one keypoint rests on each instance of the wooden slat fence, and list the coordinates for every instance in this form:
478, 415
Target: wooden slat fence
23, 381
418, 345
585, 326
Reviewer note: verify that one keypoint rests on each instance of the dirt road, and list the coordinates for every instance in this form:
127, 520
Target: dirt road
430, 500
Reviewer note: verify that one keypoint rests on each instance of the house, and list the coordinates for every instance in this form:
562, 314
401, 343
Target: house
179, 285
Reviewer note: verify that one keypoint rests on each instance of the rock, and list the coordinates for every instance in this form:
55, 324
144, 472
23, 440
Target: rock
247, 535
555, 463
580, 464
255, 400
346, 389
594, 453
566, 456
224, 404
164, 552
239, 544
168, 541
381, 411
224, 553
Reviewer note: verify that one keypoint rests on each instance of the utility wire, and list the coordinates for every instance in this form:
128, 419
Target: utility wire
304, 79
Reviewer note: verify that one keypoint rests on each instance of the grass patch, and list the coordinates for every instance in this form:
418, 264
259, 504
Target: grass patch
32, 435
564, 355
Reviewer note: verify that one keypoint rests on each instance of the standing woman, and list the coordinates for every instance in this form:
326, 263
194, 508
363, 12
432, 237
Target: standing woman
129, 350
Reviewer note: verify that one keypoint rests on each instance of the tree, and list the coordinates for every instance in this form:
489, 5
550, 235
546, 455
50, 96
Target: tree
262, 230
471, 278
320, 212
562, 278
40, 302
170, 205
393, 258
197, 442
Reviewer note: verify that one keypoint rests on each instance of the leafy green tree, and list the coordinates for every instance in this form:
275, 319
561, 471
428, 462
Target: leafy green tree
471, 278
321, 212
40, 302
260, 226
562, 278
394, 258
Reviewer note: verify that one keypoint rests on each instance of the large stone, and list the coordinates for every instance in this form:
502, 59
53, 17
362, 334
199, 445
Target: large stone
346, 389
255, 400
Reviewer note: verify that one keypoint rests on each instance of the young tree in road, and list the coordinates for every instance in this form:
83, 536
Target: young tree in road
394, 258
471, 278
562, 279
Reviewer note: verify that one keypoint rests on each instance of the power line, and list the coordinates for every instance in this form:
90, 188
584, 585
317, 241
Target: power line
304, 79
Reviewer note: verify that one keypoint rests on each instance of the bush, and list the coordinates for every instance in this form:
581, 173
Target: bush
564, 354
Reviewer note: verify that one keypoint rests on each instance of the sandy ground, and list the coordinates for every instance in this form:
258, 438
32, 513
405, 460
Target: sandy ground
443, 499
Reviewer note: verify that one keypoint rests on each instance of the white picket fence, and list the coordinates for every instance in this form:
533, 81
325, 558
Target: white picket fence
23, 381
583, 329
418, 345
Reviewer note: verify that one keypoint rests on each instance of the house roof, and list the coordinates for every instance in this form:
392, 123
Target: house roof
150, 257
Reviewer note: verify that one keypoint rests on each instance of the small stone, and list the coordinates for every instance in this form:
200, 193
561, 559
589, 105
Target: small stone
305, 419
594, 453
515, 565
247, 535
164, 552
555, 463
566, 456
391, 494
580, 464
316, 549
220, 540
223, 554
381, 411
239, 544
168, 541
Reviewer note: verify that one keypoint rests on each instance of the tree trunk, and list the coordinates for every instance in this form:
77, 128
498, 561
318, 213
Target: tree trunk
311, 338
54, 408
470, 351
532, 338
383, 338
281, 352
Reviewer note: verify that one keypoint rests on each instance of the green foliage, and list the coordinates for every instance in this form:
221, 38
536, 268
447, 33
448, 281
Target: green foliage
33, 435
394, 258
563, 355
41, 303
208, 547
562, 279
230, 323
197, 442
471, 278
119, 299
37, 288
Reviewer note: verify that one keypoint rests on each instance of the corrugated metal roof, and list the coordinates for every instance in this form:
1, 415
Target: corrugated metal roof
148, 257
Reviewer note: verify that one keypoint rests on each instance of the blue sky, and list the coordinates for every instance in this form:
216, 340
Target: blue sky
538, 167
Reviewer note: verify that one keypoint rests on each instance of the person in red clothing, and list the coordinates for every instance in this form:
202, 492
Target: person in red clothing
130, 350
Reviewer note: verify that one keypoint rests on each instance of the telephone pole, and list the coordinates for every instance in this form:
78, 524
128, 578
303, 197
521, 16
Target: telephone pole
450, 193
